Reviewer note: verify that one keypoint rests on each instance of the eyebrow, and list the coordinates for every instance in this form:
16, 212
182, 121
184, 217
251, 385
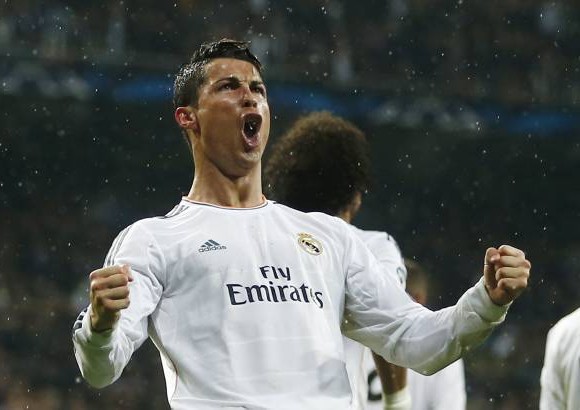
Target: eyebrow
234, 78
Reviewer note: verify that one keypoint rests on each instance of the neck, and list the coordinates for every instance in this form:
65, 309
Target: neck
216, 188
345, 215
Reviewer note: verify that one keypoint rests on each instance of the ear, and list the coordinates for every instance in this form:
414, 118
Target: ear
186, 118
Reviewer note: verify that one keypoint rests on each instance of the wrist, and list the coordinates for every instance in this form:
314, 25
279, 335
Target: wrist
399, 400
96, 325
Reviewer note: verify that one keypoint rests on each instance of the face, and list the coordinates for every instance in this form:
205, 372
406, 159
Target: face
232, 117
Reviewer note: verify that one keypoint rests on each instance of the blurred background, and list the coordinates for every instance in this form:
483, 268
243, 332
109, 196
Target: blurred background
471, 109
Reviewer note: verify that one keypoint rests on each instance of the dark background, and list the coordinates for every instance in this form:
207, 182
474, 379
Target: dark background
471, 109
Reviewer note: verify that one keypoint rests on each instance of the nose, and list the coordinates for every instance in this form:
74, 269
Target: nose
248, 98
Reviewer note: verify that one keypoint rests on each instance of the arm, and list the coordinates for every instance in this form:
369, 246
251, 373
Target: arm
379, 314
393, 378
108, 332
394, 383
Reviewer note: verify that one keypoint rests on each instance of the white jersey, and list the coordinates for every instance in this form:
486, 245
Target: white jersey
444, 390
358, 357
246, 308
560, 379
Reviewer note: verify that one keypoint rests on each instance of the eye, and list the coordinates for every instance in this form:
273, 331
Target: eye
260, 89
227, 86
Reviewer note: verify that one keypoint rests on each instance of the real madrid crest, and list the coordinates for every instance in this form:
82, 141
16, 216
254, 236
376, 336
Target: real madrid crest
309, 244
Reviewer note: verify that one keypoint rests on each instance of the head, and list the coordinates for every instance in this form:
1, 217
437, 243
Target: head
320, 164
417, 281
220, 104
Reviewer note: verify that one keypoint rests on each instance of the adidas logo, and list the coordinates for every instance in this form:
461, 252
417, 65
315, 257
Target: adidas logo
211, 245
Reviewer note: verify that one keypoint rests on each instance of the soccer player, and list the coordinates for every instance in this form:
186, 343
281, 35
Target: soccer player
246, 299
322, 164
560, 379
444, 390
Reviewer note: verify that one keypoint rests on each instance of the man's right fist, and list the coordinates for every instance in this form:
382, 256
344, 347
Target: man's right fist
109, 293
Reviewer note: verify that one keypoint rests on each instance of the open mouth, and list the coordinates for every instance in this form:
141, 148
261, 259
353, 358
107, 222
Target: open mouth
251, 128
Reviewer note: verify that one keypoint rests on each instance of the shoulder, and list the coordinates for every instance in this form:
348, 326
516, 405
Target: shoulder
330, 230
319, 219
372, 236
567, 328
378, 241
147, 229
166, 222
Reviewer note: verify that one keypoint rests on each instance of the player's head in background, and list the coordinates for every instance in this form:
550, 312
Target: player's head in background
192, 75
320, 164
417, 281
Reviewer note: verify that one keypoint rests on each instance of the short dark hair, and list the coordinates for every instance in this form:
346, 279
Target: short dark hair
192, 74
319, 164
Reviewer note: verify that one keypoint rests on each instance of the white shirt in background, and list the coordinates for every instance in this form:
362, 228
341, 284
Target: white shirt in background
560, 379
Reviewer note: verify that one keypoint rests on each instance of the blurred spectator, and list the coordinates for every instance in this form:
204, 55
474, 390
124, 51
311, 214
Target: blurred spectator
514, 52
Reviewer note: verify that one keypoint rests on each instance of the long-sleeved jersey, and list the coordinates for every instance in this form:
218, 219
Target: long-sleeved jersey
358, 357
247, 306
560, 379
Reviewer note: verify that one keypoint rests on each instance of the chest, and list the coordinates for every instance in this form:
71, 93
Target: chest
249, 259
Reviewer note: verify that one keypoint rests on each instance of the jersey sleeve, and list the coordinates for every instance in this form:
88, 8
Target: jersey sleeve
103, 356
552, 395
380, 315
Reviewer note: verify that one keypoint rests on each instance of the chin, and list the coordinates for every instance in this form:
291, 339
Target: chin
254, 156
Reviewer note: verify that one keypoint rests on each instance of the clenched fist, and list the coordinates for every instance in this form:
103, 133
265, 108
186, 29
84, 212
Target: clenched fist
506, 271
109, 293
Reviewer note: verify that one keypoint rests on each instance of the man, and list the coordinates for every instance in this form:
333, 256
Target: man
560, 379
322, 164
245, 298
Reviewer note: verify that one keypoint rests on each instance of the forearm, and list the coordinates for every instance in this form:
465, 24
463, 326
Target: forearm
426, 341
450, 332
393, 378
101, 356
394, 383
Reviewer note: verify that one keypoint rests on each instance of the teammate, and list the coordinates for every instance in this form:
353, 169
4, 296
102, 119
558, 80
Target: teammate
246, 299
444, 390
560, 379
322, 164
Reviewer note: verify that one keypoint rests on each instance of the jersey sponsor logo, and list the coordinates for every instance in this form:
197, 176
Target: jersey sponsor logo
276, 286
211, 245
309, 243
